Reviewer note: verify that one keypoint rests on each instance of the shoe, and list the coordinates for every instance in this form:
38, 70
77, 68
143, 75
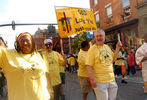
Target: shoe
117, 76
123, 81
145, 90
125, 77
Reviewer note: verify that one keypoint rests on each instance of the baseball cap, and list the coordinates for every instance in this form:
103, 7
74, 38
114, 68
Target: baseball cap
48, 41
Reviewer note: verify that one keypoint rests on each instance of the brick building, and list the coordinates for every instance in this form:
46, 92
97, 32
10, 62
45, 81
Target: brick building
118, 16
41, 34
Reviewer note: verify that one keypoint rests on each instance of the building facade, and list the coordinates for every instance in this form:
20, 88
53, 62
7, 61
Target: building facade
58, 43
118, 17
142, 16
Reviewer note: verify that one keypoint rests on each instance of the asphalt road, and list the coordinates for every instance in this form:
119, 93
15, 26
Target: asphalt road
133, 90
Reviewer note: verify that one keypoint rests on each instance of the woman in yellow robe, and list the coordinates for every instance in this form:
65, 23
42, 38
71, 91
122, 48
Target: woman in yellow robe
25, 70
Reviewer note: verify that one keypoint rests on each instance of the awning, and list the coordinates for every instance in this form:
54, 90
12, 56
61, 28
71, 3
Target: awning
125, 24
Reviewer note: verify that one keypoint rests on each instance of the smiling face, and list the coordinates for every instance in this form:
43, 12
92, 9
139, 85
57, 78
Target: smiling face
100, 38
26, 45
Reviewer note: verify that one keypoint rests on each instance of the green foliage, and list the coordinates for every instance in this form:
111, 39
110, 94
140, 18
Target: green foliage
79, 38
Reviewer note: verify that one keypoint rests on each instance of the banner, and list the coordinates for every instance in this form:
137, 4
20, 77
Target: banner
74, 20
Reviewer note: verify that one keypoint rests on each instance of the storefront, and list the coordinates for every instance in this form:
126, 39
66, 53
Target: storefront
128, 33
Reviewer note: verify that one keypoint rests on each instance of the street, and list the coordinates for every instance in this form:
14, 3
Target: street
131, 91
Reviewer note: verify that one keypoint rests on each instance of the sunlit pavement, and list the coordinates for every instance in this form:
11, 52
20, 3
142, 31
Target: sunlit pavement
131, 91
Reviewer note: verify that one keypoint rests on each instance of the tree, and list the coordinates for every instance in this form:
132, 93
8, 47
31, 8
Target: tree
51, 30
79, 38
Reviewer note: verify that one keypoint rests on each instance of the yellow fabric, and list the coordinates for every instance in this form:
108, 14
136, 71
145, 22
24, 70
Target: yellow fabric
62, 69
53, 61
120, 61
77, 20
101, 60
71, 61
90, 44
25, 75
82, 70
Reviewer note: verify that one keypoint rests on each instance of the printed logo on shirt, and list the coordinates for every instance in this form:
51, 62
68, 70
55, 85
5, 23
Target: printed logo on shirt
105, 57
107, 49
84, 55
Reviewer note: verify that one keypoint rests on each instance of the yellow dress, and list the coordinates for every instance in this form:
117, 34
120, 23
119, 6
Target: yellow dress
25, 75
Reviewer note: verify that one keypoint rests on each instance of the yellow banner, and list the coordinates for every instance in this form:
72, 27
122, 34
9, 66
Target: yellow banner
74, 20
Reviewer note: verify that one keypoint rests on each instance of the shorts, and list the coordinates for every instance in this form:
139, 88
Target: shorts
106, 91
85, 84
56, 89
62, 76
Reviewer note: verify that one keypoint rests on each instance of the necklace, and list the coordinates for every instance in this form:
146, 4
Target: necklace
104, 55
29, 62
32, 71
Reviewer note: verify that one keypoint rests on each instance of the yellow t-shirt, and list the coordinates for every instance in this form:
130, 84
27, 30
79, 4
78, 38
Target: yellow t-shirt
71, 61
53, 60
101, 60
62, 69
25, 75
82, 70
90, 44
119, 62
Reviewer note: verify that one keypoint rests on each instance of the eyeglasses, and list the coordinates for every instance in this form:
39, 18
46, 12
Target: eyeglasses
48, 44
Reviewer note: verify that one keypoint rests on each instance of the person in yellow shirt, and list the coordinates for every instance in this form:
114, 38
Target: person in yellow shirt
72, 62
99, 61
3, 83
62, 76
25, 70
82, 70
119, 63
53, 61
92, 42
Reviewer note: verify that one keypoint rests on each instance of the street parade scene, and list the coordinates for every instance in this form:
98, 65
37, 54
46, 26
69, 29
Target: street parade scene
73, 50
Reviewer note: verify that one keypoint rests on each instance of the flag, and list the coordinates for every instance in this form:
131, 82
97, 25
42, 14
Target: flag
74, 20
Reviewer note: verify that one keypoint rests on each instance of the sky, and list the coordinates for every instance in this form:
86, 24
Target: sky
31, 11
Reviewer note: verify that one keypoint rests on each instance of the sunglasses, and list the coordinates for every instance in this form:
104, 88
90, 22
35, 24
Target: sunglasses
48, 44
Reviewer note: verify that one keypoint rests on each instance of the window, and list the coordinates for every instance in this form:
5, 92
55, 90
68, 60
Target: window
95, 2
125, 3
126, 7
97, 19
109, 11
109, 14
